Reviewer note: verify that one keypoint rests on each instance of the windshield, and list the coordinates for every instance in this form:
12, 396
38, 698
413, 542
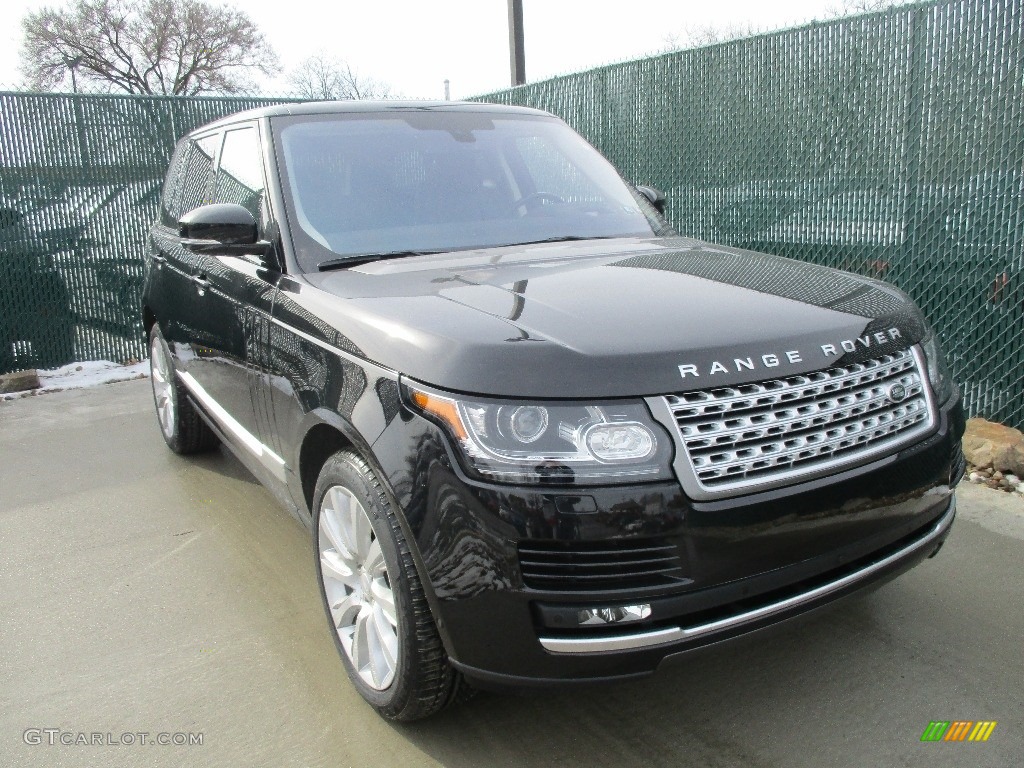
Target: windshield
423, 181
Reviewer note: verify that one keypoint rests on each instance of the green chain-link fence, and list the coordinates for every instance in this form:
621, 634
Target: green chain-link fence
891, 145
80, 178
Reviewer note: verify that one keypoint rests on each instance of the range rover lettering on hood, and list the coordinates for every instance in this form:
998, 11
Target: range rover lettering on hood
770, 360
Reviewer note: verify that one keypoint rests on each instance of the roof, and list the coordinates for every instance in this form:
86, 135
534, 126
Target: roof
367, 106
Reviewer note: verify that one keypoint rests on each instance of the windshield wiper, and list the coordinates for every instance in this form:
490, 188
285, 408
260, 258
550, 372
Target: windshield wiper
566, 239
364, 258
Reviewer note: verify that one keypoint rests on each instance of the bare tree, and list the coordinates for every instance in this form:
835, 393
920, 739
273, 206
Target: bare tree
179, 47
698, 37
856, 7
328, 78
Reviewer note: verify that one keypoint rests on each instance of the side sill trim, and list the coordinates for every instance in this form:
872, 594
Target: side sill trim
267, 457
674, 634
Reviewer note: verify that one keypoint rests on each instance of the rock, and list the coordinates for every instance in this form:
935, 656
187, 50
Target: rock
19, 381
997, 475
975, 477
1012, 480
987, 444
1020, 489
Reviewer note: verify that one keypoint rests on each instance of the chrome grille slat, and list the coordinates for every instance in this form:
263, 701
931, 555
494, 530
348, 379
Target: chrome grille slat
822, 409
767, 433
776, 390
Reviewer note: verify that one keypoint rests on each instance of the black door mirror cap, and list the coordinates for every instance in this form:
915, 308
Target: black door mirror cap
226, 229
220, 223
655, 195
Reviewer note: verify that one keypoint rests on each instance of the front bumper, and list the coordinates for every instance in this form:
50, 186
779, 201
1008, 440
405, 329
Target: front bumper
737, 565
803, 597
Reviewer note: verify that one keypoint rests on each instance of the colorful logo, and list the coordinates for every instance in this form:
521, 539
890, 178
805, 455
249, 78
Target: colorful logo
958, 730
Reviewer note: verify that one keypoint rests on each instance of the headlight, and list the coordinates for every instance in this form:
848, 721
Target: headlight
550, 443
938, 374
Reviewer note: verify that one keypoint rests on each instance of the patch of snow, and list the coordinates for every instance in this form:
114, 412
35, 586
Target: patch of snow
92, 373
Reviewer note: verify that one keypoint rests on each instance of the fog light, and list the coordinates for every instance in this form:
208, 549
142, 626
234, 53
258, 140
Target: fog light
619, 614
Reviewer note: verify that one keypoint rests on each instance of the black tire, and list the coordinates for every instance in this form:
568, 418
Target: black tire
185, 432
424, 681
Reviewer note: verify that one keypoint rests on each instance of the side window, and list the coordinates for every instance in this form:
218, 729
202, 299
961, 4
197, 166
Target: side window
169, 198
240, 171
195, 181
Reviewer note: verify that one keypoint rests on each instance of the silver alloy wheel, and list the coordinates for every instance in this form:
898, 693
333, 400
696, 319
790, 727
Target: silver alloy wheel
163, 384
358, 588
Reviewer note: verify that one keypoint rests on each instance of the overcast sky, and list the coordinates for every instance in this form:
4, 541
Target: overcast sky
413, 45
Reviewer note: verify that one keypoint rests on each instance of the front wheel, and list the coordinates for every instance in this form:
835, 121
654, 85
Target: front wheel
181, 425
380, 620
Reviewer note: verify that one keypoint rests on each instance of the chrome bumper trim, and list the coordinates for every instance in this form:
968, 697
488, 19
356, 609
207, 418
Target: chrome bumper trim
675, 634
227, 422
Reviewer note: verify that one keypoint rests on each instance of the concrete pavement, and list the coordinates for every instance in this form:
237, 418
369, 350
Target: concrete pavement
143, 593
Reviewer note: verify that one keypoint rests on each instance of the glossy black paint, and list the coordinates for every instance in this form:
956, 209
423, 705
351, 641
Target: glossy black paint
468, 533
609, 318
306, 364
656, 196
224, 223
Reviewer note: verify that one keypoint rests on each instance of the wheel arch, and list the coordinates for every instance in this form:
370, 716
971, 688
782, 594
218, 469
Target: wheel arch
321, 441
148, 319
324, 433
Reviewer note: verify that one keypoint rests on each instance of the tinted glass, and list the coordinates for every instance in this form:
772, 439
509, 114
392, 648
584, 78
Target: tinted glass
195, 182
170, 198
428, 181
240, 171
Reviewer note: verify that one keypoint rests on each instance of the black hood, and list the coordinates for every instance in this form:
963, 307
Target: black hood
608, 318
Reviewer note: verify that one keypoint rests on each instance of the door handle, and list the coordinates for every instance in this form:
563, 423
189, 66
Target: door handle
158, 260
201, 284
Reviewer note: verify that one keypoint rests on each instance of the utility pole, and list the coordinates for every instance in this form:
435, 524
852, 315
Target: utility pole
447, 90
516, 48
83, 147
72, 64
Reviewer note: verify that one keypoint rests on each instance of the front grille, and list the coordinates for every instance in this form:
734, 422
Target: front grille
605, 565
768, 433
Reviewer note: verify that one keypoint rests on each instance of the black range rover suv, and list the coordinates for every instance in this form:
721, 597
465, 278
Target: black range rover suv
538, 437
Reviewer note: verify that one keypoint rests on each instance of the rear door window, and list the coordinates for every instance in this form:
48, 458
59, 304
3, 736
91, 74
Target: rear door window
190, 187
240, 171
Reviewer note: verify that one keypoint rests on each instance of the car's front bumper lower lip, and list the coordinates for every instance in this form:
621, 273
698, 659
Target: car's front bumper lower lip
673, 634
634, 655
510, 570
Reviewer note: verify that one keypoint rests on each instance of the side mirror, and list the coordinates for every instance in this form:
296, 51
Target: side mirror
222, 223
655, 195
225, 229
